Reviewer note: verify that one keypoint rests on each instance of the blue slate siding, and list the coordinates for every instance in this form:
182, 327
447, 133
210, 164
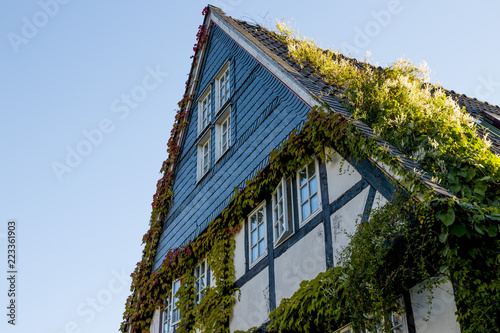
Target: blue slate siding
263, 113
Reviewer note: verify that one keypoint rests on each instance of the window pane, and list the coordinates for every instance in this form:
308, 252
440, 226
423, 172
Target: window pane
313, 186
262, 247
255, 254
177, 284
304, 194
311, 169
305, 210
302, 177
253, 222
261, 230
254, 237
261, 215
202, 283
314, 203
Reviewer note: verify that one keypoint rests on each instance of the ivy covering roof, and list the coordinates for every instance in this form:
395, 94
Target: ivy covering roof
305, 74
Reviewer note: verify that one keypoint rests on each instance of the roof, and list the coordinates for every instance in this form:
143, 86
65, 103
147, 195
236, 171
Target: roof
486, 115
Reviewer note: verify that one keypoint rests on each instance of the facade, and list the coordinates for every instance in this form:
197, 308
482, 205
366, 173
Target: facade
248, 99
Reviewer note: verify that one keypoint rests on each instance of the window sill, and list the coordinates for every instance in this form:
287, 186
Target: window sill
202, 134
223, 154
199, 180
259, 259
310, 217
223, 108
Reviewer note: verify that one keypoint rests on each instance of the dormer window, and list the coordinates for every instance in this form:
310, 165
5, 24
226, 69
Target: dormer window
204, 110
222, 87
204, 155
223, 132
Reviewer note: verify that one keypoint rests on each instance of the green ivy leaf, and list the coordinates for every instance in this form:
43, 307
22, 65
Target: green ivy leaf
447, 217
443, 237
458, 229
479, 228
492, 230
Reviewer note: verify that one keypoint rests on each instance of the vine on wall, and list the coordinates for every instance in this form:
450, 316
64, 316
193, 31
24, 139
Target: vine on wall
457, 236
426, 126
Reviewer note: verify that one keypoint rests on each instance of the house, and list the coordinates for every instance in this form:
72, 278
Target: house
233, 232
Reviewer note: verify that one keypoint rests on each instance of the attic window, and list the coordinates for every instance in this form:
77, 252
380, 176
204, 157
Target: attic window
222, 87
204, 155
223, 133
204, 110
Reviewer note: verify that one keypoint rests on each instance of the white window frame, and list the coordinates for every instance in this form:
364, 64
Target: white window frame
224, 118
200, 277
206, 96
175, 311
260, 237
166, 325
305, 219
223, 78
204, 148
282, 211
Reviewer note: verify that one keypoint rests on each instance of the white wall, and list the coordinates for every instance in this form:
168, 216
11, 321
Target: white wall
339, 181
155, 322
239, 253
303, 261
344, 220
442, 318
379, 200
253, 307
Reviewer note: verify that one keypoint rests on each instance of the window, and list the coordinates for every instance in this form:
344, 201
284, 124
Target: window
204, 110
222, 87
282, 211
397, 321
308, 191
223, 133
200, 281
176, 313
204, 155
171, 315
257, 222
167, 322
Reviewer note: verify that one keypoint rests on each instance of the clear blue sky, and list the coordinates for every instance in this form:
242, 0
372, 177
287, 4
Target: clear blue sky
66, 76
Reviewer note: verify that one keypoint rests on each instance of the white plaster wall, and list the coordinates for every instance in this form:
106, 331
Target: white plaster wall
239, 254
442, 318
379, 200
344, 222
303, 261
155, 322
339, 181
253, 307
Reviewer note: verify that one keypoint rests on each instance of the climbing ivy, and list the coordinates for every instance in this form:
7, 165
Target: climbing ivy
458, 235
